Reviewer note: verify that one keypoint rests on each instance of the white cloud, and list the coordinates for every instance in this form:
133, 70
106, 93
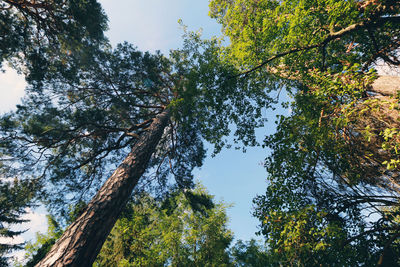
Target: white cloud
12, 241
12, 87
18, 256
37, 223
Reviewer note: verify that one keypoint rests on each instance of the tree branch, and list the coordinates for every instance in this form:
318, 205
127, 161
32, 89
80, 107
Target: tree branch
332, 36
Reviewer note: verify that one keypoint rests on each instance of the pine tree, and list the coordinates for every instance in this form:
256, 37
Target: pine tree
36, 33
149, 112
37, 36
15, 197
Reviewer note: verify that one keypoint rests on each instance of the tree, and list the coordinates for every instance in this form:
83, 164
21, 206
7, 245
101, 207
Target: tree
318, 207
15, 196
71, 130
272, 34
36, 33
250, 254
183, 229
171, 233
36, 37
334, 159
37, 250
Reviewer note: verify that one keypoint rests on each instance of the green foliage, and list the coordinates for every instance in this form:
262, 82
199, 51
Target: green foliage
310, 209
168, 234
325, 178
184, 229
15, 197
37, 36
38, 33
250, 254
37, 250
334, 159
81, 126
261, 29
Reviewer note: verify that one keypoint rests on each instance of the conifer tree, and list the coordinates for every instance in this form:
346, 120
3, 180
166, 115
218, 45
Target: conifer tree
149, 112
36, 36
15, 197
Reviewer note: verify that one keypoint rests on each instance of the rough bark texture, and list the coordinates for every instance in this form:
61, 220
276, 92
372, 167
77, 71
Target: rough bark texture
386, 85
83, 239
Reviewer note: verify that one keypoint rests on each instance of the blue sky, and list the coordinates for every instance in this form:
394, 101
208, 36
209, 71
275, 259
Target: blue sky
232, 176
153, 24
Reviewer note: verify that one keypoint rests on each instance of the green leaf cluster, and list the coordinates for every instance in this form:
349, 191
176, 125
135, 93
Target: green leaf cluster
334, 159
171, 233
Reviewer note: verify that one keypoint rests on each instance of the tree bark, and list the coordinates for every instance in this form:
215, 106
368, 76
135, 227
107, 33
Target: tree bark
83, 239
386, 85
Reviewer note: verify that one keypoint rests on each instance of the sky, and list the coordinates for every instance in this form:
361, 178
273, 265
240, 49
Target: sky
232, 176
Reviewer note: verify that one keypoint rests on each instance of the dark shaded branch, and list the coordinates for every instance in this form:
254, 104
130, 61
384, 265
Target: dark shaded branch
374, 230
391, 240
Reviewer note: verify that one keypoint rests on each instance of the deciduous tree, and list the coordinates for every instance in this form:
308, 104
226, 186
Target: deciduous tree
172, 233
334, 159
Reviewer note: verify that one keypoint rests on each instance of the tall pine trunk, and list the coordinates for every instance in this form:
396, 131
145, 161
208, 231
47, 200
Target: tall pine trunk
83, 239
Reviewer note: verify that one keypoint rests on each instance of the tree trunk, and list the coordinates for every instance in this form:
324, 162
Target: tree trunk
386, 85
83, 239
